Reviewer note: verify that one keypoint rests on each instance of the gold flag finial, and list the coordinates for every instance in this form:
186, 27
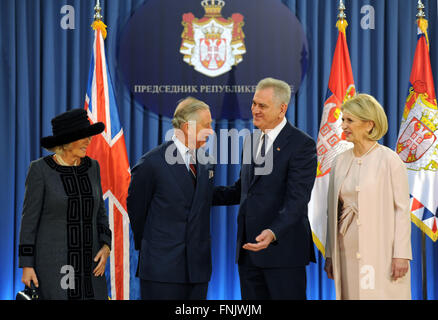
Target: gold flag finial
98, 23
421, 20
341, 15
97, 10
342, 24
420, 8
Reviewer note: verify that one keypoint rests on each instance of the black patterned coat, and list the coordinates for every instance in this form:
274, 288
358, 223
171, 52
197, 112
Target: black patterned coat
64, 223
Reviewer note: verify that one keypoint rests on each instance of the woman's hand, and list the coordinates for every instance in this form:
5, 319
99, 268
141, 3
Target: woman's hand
399, 268
28, 276
328, 268
101, 256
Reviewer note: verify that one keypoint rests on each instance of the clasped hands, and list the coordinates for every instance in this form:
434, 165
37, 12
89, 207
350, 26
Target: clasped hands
264, 239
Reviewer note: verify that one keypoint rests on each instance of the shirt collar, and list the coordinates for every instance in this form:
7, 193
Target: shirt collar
180, 146
273, 133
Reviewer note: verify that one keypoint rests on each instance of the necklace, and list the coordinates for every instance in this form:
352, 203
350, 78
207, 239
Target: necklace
63, 163
369, 150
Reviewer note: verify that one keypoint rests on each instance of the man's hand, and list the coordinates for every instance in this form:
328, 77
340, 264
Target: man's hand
264, 239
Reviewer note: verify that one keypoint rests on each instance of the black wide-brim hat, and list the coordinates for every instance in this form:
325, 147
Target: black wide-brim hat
71, 126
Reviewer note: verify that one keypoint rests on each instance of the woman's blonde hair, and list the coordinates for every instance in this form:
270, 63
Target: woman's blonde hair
59, 149
367, 108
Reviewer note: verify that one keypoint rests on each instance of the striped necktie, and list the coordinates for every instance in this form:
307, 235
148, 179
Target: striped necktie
192, 166
258, 156
262, 151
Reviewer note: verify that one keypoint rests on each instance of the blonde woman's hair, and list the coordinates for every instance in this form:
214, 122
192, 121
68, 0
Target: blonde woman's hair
282, 91
187, 110
367, 108
59, 150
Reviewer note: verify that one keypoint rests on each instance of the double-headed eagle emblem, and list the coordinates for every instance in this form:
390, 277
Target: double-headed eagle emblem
213, 44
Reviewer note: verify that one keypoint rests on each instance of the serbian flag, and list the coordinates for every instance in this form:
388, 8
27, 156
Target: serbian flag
109, 149
331, 140
417, 142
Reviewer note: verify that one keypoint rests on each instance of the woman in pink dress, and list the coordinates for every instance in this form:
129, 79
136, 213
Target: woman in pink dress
368, 246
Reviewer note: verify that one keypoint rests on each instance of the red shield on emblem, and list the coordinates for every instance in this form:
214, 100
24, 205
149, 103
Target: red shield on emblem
213, 53
415, 141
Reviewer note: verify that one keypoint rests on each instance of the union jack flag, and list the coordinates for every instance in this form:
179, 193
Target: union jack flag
109, 150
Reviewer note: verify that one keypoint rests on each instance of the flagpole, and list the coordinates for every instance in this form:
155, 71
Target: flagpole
422, 15
423, 261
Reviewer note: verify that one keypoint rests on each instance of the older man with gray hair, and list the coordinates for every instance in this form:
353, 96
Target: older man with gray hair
274, 239
169, 210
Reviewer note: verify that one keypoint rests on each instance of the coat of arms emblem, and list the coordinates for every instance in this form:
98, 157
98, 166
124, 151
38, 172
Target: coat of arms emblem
417, 144
213, 44
417, 138
331, 139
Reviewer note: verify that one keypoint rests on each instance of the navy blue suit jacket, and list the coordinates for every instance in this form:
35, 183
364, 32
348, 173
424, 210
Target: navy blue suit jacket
170, 218
276, 201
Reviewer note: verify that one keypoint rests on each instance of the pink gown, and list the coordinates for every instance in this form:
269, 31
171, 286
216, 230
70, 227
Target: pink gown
348, 234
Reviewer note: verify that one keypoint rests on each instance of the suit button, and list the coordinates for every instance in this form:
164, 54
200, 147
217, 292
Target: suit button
358, 256
358, 222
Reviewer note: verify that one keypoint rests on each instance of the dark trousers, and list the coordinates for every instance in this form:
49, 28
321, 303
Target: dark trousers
152, 290
271, 283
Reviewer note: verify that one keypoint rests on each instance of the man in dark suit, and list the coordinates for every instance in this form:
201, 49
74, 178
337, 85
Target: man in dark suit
169, 201
274, 239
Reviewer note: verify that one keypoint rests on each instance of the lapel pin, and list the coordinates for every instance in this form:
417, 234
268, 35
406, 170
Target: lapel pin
278, 149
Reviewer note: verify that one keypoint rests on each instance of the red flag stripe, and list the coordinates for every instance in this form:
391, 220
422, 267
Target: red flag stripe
341, 75
422, 69
118, 252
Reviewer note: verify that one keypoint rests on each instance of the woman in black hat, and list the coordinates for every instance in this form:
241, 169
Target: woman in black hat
65, 239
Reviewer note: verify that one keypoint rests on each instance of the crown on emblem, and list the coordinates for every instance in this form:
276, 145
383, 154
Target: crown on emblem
430, 120
212, 32
213, 7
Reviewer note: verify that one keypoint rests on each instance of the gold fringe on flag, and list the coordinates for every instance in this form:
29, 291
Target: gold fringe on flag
342, 25
423, 24
99, 25
423, 227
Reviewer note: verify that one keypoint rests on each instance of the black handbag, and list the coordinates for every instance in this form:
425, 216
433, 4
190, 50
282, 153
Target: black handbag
31, 293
